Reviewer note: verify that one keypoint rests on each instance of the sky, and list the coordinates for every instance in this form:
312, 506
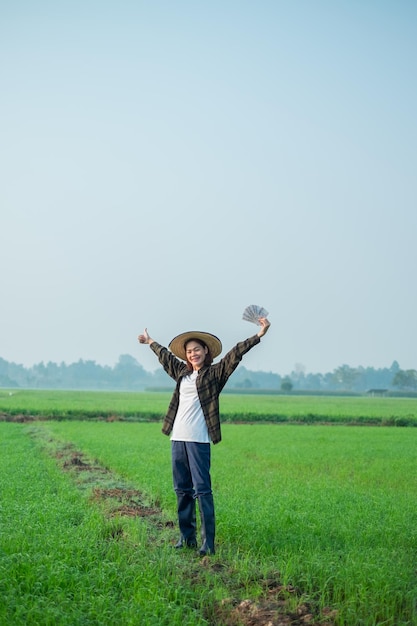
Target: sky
165, 164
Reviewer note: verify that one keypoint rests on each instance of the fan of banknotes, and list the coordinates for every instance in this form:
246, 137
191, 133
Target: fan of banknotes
253, 312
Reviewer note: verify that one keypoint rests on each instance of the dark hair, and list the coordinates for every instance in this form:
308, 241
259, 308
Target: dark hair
207, 361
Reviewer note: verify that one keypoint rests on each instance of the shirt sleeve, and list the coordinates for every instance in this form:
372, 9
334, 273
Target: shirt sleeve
231, 360
174, 367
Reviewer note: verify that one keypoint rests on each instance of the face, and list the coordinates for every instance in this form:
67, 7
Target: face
195, 353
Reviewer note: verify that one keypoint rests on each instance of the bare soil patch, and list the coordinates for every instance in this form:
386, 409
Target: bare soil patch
271, 611
129, 502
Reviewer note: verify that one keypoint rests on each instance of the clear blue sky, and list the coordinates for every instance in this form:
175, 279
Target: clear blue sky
165, 164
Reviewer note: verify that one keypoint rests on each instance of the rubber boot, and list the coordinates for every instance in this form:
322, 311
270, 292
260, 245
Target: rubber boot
208, 524
186, 521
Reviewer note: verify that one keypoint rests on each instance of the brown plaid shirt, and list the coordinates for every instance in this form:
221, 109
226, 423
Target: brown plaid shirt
210, 382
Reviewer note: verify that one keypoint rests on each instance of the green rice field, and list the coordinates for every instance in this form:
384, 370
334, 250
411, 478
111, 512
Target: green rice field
316, 524
234, 407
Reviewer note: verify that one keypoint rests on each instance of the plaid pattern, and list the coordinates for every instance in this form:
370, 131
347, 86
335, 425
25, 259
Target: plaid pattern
210, 382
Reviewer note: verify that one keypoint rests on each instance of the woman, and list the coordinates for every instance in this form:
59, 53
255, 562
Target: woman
193, 421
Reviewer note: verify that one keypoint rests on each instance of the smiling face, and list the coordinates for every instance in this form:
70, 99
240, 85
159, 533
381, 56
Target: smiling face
195, 353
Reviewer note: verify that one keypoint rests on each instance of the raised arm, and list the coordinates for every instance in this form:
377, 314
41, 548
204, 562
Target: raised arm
173, 366
231, 360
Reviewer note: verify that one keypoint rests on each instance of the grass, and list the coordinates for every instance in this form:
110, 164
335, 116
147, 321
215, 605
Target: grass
63, 563
337, 508
328, 512
245, 408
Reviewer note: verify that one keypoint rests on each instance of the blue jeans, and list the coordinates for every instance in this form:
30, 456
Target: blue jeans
191, 474
191, 468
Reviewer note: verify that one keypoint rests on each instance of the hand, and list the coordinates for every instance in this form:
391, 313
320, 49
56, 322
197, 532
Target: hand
145, 338
265, 324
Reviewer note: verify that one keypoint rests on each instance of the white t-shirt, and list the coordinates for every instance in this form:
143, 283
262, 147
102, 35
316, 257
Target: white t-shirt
189, 423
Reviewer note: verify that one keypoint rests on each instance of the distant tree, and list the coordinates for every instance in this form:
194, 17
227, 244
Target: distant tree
286, 384
345, 376
405, 379
128, 373
7, 378
83, 375
245, 384
4, 367
314, 382
159, 378
298, 376
395, 367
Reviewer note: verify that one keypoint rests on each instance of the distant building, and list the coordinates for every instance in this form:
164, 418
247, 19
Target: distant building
377, 392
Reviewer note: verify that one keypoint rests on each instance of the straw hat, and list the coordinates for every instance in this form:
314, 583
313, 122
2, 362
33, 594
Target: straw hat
177, 345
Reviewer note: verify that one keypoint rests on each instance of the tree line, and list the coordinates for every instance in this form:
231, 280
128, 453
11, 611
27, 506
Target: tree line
129, 375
